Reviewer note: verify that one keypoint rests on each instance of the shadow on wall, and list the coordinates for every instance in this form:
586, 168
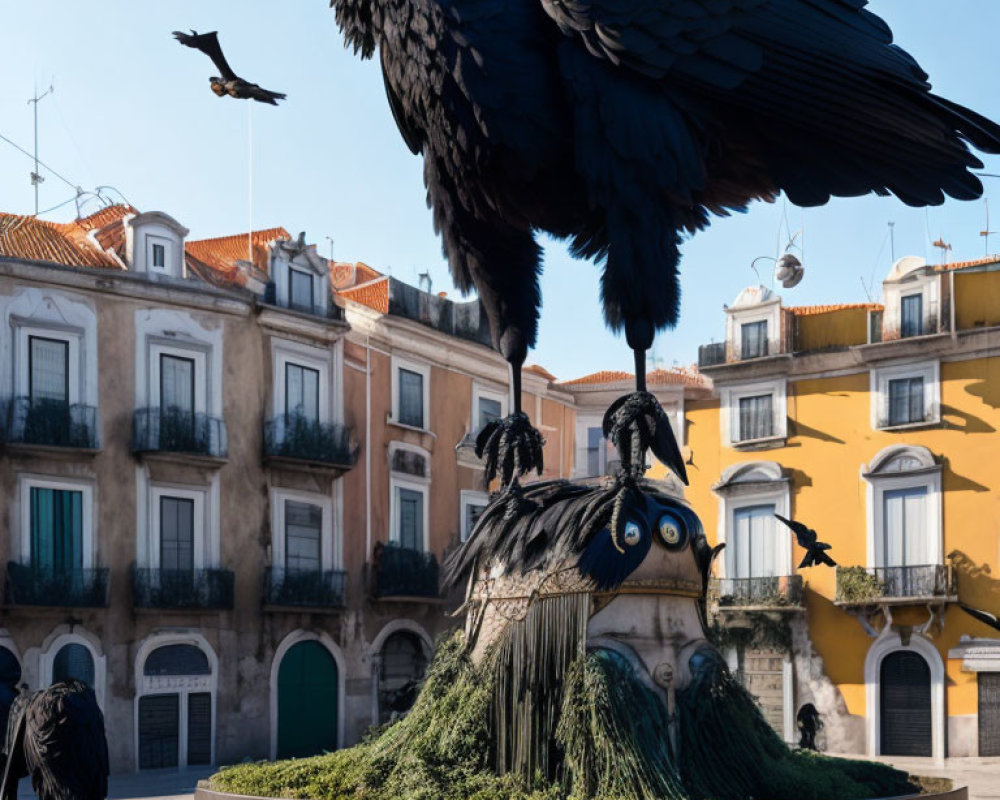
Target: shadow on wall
988, 391
976, 585
956, 420
953, 482
796, 428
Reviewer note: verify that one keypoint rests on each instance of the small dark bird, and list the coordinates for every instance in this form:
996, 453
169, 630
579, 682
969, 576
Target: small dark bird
56, 736
229, 83
983, 616
622, 127
815, 550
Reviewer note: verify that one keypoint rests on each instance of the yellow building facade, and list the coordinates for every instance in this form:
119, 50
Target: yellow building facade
877, 425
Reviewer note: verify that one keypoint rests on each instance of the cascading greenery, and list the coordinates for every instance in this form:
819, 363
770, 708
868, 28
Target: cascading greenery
606, 738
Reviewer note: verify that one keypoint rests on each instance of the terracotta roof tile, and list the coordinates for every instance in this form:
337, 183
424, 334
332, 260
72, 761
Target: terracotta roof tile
221, 254
678, 376
345, 274
959, 265
59, 243
374, 294
536, 369
105, 216
805, 311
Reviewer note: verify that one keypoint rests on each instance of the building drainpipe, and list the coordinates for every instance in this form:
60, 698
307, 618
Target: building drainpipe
368, 448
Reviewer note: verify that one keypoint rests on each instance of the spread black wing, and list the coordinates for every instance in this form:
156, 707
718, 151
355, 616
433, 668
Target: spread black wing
208, 43
812, 91
805, 536
64, 743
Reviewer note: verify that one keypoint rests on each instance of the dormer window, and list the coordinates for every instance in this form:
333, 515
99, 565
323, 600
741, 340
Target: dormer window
159, 256
911, 314
154, 244
753, 339
300, 290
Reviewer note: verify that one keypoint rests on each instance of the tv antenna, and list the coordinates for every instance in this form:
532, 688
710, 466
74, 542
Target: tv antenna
36, 177
330, 240
986, 234
943, 246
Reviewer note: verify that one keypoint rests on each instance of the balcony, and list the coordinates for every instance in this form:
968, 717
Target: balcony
404, 573
747, 594
300, 439
859, 586
175, 430
711, 355
305, 588
182, 589
48, 423
34, 586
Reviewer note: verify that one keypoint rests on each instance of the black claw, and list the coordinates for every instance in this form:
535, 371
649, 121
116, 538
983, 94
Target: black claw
636, 423
512, 448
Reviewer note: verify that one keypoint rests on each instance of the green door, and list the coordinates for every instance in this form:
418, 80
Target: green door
307, 701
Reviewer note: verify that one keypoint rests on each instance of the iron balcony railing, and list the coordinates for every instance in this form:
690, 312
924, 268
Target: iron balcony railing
176, 430
711, 355
309, 440
28, 585
53, 423
311, 588
784, 590
874, 584
401, 572
182, 588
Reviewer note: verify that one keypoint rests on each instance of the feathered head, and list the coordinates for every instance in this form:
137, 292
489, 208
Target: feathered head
359, 22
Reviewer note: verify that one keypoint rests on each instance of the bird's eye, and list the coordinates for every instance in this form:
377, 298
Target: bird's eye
633, 534
671, 531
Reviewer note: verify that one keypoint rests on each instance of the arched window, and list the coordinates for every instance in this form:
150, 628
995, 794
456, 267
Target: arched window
73, 660
175, 705
402, 666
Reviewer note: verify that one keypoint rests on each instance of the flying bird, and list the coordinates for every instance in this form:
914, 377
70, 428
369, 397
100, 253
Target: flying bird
622, 127
228, 82
983, 616
56, 736
815, 550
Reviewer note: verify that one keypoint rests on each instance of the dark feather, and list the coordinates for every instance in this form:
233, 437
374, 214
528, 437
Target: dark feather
806, 537
983, 616
208, 43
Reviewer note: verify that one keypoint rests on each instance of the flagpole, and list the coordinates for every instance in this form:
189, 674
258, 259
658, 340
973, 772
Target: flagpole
250, 179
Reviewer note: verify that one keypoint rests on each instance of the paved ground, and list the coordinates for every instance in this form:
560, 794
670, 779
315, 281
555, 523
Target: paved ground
981, 775
159, 784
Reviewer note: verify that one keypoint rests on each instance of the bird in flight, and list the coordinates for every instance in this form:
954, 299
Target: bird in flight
983, 616
806, 537
228, 82
623, 127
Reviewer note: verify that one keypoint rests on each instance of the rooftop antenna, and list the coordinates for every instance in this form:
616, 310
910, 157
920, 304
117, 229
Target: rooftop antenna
36, 178
330, 240
944, 247
421, 279
986, 234
892, 240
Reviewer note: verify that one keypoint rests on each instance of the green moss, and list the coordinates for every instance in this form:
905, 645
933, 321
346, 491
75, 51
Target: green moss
858, 585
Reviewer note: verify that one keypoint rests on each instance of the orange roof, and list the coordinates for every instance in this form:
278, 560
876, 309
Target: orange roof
345, 275
221, 253
536, 369
63, 243
957, 265
678, 376
805, 311
374, 294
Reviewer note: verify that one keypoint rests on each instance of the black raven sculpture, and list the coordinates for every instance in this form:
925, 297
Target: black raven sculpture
228, 82
56, 736
983, 616
622, 125
815, 549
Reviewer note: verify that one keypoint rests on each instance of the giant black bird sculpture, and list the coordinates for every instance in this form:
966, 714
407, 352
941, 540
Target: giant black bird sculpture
56, 736
807, 538
622, 125
228, 82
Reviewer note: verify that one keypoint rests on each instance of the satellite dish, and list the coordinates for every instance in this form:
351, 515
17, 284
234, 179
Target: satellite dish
789, 271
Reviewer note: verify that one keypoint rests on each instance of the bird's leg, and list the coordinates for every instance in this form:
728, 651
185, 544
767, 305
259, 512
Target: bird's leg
511, 446
636, 422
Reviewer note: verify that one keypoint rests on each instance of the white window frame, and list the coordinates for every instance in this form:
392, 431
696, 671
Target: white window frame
26, 484
284, 352
879, 379
198, 497
730, 397
768, 311
23, 360
466, 498
878, 482
480, 391
753, 483
181, 685
402, 480
423, 369
49, 650
207, 518
608, 452
917, 281
331, 548
168, 253
200, 359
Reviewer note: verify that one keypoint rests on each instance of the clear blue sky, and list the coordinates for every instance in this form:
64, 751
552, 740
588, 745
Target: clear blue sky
132, 109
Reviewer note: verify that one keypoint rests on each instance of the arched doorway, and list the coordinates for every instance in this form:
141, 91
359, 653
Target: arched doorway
402, 665
308, 688
905, 705
175, 708
73, 661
